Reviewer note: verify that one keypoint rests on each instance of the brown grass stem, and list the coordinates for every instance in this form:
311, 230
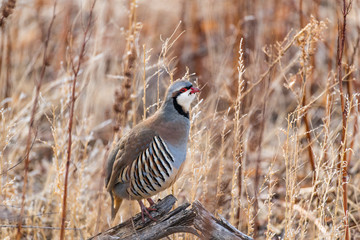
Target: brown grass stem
301, 14
2, 51
100, 189
75, 69
31, 124
144, 82
304, 72
237, 152
343, 160
8, 65
122, 97
259, 151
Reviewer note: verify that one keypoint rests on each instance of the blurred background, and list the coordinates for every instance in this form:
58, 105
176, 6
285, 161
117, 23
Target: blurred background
266, 148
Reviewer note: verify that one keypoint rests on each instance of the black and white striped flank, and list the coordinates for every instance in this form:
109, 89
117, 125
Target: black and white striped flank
150, 171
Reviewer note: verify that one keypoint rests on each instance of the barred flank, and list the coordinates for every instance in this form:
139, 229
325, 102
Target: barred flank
152, 168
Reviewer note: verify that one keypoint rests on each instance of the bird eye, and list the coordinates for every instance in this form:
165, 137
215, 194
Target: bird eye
183, 90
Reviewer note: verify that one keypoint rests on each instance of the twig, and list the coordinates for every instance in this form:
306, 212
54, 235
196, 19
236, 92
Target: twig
76, 70
20, 161
39, 227
31, 123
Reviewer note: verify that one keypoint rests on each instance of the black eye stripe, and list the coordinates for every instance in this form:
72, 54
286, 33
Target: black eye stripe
186, 88
178, 92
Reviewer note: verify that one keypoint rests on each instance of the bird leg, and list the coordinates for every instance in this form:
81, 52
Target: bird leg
146, 211
150, 201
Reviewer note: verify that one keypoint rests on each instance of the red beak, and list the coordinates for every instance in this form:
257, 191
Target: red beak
194, 90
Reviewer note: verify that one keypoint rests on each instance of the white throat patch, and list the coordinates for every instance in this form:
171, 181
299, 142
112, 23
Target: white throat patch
185, 99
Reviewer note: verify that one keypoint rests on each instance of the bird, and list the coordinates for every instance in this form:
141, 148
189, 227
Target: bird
150, 157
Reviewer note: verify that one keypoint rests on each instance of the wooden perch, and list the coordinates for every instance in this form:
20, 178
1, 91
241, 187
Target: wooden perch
196, 220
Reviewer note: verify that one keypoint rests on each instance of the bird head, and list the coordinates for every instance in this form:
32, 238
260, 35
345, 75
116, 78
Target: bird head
182, 94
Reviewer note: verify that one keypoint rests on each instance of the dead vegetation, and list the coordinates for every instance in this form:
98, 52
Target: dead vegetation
274, 144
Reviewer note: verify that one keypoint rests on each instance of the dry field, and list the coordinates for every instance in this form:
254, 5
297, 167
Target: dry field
274, 142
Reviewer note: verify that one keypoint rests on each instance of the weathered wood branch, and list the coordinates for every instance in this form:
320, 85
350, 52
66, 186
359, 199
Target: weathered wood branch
196, 220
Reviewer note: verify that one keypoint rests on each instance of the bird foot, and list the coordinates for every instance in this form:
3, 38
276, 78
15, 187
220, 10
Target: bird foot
150, 201
146, 211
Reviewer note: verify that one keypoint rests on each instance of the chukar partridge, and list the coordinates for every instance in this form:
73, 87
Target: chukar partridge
150, 157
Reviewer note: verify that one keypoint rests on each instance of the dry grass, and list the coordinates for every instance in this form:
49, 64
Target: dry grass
271, 148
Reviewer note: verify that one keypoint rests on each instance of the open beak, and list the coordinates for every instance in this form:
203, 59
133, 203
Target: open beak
194, 90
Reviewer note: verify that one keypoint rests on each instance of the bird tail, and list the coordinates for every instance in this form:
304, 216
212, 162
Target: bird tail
115, 205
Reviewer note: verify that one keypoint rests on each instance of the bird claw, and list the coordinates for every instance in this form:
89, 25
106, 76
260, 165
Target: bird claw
146, 211
151, 209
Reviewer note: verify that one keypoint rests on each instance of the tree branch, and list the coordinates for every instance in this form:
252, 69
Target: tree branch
196, 220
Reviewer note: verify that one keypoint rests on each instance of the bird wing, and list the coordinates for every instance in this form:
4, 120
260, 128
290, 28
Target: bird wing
126, 151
